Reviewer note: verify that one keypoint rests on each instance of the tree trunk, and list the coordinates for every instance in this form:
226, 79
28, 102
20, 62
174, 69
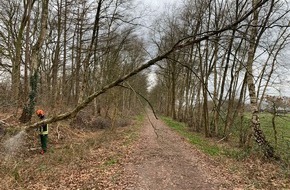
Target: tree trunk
16, 63
27, 55
28, 109
56, 59
64, 88
255, 121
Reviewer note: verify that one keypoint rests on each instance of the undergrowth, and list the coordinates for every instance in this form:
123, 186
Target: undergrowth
259, 172
194, 138
97, 152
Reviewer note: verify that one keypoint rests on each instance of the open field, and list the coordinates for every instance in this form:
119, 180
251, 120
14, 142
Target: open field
262, 173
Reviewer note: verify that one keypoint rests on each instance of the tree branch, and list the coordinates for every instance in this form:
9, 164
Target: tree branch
179, 45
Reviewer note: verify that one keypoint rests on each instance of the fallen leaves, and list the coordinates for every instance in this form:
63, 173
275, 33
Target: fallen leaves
78, 160
104, 159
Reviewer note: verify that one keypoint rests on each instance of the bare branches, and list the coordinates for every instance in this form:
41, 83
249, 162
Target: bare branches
191, 39
139, 94
178, 46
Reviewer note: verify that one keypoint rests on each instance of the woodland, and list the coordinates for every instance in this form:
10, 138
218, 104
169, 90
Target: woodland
216, 66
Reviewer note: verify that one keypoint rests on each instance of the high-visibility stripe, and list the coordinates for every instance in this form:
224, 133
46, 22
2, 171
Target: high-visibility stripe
42, 132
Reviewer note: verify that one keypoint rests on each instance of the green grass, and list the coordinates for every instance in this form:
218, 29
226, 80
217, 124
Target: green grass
194, 138
282, 148
140, 117
282, 123
111, 161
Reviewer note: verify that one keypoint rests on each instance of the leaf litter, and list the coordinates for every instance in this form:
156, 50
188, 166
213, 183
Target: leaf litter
127, 158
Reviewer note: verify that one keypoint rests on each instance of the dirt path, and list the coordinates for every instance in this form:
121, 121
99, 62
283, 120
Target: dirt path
159, 159
164, 160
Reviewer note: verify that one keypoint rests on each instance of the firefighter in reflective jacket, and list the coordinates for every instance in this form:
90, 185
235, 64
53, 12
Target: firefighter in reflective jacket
43, 132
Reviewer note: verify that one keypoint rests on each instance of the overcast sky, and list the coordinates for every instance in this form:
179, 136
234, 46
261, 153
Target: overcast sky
151, 9
158, 4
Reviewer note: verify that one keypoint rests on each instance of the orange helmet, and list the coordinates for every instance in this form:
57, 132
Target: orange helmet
39, 112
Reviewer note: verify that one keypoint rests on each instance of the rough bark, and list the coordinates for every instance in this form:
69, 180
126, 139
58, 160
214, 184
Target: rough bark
179, 45
255, 122
28, 109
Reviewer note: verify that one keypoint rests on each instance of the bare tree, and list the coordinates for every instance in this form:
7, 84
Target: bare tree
35, 63
222, 59
92, 43
274, 103
177, 46
14, 18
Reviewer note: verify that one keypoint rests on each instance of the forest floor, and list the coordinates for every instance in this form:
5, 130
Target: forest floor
164, 160
142, 156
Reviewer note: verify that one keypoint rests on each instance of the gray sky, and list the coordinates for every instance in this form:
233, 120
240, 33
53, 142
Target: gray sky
282, 86
156, 8
158, 4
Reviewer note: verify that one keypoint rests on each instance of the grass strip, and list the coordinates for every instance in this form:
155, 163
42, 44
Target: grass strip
195, 139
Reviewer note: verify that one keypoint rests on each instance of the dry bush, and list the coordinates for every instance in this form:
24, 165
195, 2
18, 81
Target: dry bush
2, 131
104, 123
122, 122
81, 121
100, 123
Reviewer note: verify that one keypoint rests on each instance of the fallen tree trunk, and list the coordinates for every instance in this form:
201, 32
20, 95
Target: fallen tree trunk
89, 99
188, 41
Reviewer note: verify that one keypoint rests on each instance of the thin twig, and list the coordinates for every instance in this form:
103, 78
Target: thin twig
154, 128
179, 45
